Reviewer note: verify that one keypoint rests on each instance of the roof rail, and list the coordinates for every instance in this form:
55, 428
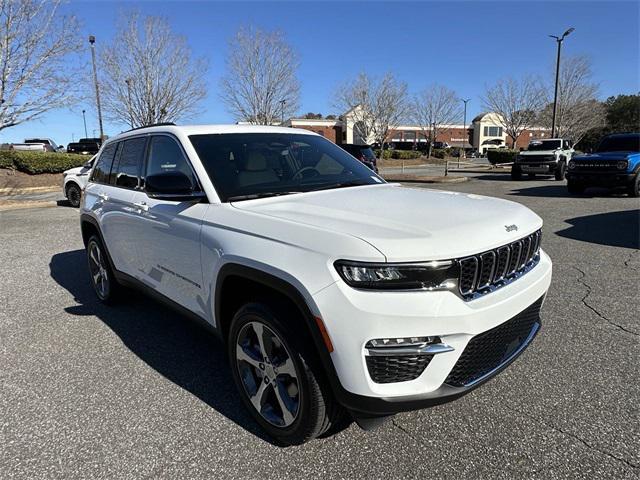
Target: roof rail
162, 124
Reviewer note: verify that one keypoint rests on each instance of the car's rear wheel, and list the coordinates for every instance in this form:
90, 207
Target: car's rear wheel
102, 278
74, 194
634, 188
278, 378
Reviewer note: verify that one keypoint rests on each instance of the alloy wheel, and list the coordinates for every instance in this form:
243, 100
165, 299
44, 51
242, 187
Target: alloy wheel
98, 269
268, 374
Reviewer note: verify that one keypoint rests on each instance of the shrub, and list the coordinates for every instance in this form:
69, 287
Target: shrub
501, 155
400, 154
41, 162
439, 152
6, 161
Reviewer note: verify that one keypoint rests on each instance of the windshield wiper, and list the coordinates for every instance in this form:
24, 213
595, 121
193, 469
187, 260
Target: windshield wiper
253, 196
350, 183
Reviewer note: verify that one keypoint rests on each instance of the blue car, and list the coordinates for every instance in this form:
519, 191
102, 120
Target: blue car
614, 164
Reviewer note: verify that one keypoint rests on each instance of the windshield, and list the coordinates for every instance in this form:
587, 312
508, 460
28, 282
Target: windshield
623, 143
251, 165
544, 145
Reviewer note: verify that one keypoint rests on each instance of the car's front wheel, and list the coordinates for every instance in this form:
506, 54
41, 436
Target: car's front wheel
277, 376
634, 188
516, 173
74, 194
561, 170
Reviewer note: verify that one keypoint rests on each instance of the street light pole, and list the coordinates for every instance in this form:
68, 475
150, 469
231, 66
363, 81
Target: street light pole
92, 41
282, 102
555, 93
84, 119
464, 129
128, 82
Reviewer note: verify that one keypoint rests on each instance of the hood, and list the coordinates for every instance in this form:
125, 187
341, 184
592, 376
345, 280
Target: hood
606, 156
406, 224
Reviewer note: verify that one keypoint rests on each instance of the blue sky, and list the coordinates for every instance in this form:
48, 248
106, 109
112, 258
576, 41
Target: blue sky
463, 45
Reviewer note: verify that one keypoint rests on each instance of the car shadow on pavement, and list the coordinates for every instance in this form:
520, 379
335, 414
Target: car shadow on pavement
559, 189
616, 229
176, 347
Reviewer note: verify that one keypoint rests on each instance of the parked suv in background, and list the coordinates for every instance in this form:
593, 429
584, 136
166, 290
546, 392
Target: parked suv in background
85, 146
336, 294
74, 181
364, 153
544, 157
614, 164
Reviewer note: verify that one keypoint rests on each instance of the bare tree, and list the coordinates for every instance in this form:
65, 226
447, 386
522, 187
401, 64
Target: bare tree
35, 45
376, 105
149, 75
260, 85
433, 109
517, 103
578, 108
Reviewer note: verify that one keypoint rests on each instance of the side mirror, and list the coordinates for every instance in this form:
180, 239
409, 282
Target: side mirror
172, 186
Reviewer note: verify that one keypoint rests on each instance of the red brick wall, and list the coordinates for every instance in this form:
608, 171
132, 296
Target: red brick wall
443, 136
330, 133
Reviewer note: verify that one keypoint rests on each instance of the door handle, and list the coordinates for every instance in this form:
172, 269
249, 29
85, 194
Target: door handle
142, 206
103, 196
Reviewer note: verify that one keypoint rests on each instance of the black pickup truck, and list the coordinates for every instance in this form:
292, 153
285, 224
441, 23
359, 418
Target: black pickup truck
85, 146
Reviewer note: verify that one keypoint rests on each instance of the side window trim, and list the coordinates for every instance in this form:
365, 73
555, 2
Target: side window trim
182, 150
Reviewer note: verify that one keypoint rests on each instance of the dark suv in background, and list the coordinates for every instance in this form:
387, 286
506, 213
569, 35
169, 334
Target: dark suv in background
85, 146
364, 153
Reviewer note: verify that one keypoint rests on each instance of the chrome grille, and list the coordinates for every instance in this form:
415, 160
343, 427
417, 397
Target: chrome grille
480, 273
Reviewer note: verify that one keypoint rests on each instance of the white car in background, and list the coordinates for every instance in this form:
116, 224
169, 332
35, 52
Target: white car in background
74, 180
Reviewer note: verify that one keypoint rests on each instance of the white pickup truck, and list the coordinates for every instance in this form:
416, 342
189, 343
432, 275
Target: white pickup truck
543, 157
37, 145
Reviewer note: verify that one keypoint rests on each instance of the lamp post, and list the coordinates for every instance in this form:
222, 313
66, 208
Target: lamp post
84, 119
128, 82
282, 103
464, 129
555, 93
92, 41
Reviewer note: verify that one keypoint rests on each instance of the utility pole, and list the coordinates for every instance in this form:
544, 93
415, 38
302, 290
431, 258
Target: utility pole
464, 130
92, 41
555, 93
84, 119
282, 103
128, 82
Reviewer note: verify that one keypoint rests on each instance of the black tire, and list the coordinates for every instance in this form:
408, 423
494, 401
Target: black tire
316, 411
561, 170
106, 286
634, 189
74, 194
575, 188
516, 173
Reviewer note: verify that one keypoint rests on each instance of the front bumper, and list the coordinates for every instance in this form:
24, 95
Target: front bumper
601, 179
537, 167
354, 317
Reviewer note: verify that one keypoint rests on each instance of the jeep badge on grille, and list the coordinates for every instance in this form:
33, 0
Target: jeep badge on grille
511, 228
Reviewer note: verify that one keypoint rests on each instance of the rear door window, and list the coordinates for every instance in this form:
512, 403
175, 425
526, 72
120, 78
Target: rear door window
126, 172
103, 166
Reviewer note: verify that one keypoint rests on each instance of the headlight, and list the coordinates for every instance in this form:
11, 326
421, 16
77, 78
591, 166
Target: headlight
622, 165
386, 276
572, 164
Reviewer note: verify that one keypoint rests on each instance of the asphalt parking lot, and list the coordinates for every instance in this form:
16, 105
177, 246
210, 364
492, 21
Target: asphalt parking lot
136, 391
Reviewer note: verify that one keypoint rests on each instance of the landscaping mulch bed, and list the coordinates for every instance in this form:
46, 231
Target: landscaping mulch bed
14, 180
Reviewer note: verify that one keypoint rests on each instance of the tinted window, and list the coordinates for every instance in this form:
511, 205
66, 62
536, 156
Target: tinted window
127, 171
541, 145
262, 164
622, 143
165, 155
103, 166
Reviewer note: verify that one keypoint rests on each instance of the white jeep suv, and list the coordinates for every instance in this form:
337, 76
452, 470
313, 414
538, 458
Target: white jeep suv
336, 294
74, 180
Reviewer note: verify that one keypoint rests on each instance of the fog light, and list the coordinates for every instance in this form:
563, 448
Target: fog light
401, 342
572, 165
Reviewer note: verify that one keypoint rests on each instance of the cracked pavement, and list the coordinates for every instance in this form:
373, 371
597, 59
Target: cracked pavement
136, 391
